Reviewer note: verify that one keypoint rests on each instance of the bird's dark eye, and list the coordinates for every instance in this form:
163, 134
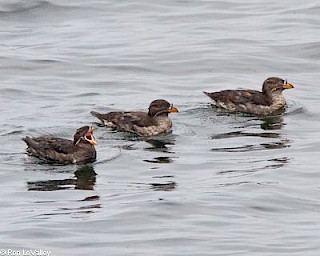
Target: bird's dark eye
285, 81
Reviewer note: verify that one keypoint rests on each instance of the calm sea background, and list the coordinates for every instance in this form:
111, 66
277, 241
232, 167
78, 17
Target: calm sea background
220, 184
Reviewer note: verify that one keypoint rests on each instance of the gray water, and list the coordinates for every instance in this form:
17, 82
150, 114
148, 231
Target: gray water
220, 184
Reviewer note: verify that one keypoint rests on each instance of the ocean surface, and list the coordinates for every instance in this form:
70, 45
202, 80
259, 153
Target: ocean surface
219, 184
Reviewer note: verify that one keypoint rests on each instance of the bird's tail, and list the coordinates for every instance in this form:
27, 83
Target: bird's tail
30, 142
207, 93
97, 115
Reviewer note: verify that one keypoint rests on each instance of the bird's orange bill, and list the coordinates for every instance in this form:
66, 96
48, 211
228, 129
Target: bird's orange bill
172, 109
287, 86
89, 136
92, 129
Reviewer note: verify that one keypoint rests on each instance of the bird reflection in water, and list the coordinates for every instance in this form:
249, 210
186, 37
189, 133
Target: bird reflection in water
164, 185
268, 134
268, 123
262, 165
272, 122
160, 145
85, 178
168, 186
160, 160
283, 143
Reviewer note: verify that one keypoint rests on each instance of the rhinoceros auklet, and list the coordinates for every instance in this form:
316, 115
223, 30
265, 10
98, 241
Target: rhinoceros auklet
263, 103
154, 122
63, 151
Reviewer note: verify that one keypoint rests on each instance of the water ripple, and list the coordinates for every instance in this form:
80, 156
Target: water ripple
252, 147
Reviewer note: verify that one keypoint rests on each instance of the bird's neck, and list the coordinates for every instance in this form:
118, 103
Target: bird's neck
276, 98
